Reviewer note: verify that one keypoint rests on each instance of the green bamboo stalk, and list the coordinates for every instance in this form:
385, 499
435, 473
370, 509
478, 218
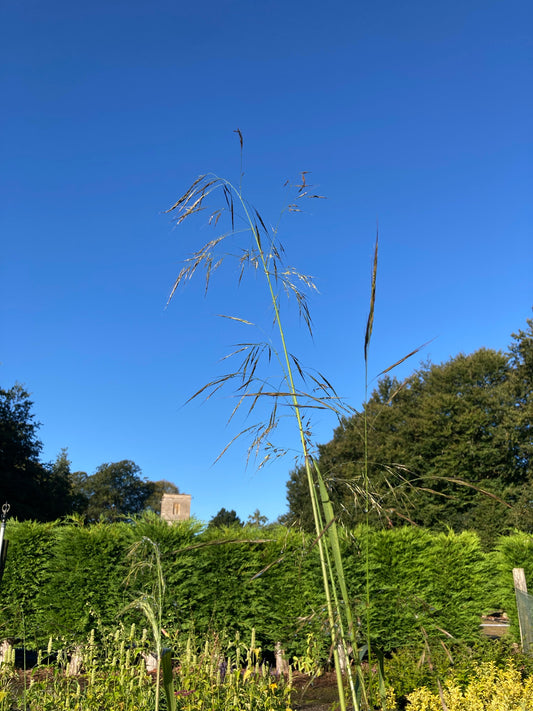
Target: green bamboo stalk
168, 679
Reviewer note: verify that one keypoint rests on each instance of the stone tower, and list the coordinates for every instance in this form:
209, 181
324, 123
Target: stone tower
175, 507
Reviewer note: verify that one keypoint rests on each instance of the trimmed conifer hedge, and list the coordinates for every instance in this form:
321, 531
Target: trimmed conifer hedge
514, 551
64, 579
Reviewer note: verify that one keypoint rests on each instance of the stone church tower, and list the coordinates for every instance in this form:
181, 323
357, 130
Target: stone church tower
175, 507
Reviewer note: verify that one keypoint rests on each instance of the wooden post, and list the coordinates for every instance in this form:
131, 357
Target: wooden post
524, 613
150, 660
75, 662
282, 665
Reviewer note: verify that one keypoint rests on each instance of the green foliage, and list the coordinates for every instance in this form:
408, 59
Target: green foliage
220, 593
219, 675
257, 519
72, 577
146, 574
113, 677
177, 562
33, 490
490, 688
423, 586
168, 679
85, 586
448, 447
113, 491
225, 518
26, 575
521, 386
237, 579
411, 668
226, 673
515, 551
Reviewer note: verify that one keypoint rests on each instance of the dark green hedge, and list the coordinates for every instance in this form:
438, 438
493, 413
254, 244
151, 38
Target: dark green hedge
514, 551
420, 583
26, 575
63, 579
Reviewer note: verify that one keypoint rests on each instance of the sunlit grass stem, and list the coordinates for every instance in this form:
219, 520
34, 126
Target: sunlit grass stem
330, 592
325, 523
146, 557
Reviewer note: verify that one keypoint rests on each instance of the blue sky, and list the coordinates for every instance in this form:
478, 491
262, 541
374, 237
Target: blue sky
414, 114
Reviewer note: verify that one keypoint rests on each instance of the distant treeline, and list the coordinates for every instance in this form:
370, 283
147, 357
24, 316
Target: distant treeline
45, 491
448, 447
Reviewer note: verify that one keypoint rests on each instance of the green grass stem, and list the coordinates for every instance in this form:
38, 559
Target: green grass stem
265, 255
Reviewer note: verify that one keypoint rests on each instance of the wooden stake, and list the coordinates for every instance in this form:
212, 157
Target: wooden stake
524, 615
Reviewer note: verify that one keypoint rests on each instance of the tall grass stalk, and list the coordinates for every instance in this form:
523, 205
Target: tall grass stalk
264, 255
366, 478
146, 568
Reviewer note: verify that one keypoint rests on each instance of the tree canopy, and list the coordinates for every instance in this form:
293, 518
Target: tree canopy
257, 519
225, 518
448, 447
47, 491
113, 491
33, 490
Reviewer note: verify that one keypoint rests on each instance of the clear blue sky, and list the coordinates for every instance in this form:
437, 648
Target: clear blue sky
417, 114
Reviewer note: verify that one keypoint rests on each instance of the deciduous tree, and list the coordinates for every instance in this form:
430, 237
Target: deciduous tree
114, 490
34, 490
225, 518
445, 447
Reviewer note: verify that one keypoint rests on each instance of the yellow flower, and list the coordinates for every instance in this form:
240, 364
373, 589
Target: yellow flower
273, 686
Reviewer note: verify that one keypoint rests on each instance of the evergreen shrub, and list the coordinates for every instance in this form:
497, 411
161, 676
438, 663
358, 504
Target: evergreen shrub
422, 585
26, 575
514, 551
66, 578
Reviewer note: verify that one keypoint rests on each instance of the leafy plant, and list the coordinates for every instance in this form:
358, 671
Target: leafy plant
87, 567
269, 579
7, 678
225, 673
215, 674
491, 689
309, 662
114, 677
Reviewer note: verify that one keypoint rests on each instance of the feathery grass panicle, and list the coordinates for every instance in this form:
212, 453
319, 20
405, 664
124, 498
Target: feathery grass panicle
146, 569
264, 254
370, 320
